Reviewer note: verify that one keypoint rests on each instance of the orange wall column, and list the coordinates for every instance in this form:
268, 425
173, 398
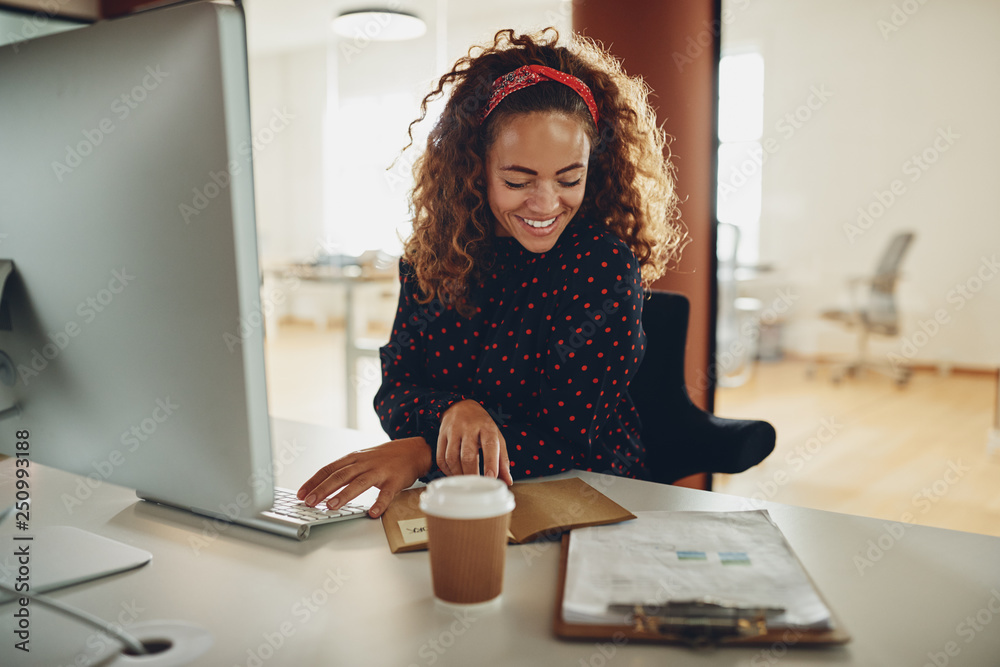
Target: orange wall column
674, 46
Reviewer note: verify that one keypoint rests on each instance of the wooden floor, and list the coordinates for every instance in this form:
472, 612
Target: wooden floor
305, 378
863, 447
916, 454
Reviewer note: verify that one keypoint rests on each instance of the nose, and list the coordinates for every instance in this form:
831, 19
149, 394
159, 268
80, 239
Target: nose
544, 199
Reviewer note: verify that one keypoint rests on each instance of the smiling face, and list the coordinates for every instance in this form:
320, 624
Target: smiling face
536, 175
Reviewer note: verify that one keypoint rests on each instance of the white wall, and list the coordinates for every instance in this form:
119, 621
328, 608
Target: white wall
288, 100
895, 83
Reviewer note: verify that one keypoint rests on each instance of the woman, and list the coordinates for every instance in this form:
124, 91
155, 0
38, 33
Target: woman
543, 206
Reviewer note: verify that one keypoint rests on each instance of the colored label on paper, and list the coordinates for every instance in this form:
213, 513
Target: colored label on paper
734, 558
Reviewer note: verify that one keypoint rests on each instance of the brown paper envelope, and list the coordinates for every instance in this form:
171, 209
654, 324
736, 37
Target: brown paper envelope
553, 507
541, 508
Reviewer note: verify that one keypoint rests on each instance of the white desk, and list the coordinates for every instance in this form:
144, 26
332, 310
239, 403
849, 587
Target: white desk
341, 598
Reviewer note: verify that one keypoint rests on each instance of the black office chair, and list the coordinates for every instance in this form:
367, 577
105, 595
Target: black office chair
681, 439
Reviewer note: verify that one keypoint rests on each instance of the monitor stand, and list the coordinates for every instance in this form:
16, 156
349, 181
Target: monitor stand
6, 269
59, 555
8, 375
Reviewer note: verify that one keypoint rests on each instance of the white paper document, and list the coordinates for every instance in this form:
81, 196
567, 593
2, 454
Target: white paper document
738, 559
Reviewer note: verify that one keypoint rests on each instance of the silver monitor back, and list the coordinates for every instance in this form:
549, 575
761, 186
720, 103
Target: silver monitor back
126, 205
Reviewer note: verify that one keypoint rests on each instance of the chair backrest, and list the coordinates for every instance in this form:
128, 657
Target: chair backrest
680, 438
665, 322
882, 316
659, 382
887, 272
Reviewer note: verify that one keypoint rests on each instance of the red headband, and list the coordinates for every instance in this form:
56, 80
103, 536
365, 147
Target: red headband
529, 75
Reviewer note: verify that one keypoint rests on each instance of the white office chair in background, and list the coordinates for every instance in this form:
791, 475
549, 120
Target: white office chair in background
874, 311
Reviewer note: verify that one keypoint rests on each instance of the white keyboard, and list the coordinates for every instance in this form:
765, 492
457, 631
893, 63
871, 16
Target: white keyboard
290, 516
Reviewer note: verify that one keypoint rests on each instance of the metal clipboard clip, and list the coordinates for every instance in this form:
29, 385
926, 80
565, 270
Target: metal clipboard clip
698, 622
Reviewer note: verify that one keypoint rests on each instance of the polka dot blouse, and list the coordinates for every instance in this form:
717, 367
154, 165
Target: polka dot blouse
548, 353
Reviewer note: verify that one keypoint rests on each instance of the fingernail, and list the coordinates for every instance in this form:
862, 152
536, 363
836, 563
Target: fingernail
334, 503
310, 500
375, 511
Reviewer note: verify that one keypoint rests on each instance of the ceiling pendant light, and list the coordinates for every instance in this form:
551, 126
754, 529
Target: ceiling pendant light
379, 25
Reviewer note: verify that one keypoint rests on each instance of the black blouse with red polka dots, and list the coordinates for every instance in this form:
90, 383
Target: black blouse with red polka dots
554, 340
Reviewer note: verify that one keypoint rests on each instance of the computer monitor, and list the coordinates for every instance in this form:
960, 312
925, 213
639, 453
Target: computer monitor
132, 317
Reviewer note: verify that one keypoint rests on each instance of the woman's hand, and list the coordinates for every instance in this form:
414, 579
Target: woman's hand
391, 467
467, 428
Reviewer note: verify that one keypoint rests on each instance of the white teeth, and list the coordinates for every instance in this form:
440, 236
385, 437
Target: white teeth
539, 224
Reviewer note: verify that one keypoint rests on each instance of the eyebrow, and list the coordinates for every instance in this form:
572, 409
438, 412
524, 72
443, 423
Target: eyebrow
532, 172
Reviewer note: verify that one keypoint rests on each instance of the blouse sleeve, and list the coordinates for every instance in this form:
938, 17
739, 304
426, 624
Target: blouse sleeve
597, 346
406, 404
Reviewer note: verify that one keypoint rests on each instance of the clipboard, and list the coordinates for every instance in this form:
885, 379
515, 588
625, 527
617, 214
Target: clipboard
712, 625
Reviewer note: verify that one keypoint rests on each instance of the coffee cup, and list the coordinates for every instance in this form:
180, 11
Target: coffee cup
467, 521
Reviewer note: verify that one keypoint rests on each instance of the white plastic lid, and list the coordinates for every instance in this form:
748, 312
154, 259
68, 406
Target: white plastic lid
466, 497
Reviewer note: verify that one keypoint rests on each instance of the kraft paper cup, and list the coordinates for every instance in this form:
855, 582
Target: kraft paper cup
467, 521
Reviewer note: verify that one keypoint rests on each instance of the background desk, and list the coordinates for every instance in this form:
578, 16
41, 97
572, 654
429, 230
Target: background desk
282, 279
341, 598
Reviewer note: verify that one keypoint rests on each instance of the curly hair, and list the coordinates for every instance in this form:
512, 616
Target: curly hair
630, 183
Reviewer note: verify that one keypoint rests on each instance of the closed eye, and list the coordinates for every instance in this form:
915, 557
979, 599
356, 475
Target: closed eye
565, 184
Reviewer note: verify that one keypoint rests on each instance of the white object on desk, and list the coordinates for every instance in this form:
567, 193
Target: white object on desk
63, 556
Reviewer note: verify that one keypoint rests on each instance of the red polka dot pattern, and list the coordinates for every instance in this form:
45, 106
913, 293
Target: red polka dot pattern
549, 352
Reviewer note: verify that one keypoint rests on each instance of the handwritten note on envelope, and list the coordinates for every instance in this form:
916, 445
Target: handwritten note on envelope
413, 530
